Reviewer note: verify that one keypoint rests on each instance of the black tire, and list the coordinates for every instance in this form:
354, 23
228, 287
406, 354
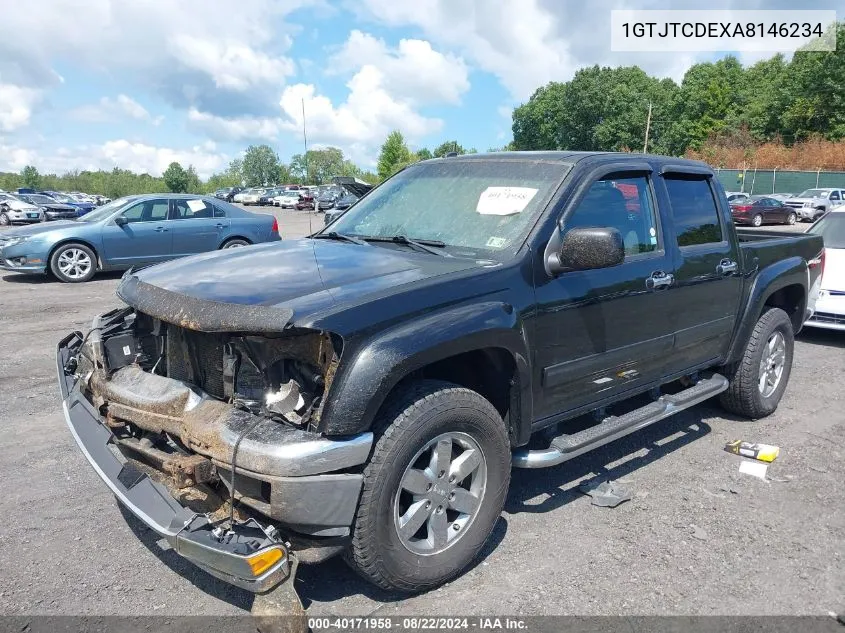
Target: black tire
757, 220
744, 396
4, 220
791, 219
56, 263
415, 415
235, 242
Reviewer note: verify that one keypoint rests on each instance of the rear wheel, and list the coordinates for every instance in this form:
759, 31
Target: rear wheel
758, 380
73, 263
433, 489
4, 220
235, 242
791, 218
757, 220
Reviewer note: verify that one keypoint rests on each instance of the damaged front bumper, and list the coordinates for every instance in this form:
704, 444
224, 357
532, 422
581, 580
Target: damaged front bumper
247, 554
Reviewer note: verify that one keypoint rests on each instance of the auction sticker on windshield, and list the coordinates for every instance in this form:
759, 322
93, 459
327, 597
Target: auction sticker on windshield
196, 205
504, 200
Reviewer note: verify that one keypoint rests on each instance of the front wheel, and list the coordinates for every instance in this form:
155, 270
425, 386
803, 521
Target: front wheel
791, 218
757, 220
433, 489
4, 220
73, 263
758, 380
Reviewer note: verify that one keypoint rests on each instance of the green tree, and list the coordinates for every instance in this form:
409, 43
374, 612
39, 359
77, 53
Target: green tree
176, 178
394, 155
424, 154
448, 146
260, 166
30, 177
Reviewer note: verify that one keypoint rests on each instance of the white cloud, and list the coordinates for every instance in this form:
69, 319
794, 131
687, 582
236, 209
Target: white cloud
235, 128
108, 109
16, 105
137, 157
413, 71
359, 124
192, 52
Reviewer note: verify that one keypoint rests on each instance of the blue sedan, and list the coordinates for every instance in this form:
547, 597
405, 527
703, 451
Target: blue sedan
132, 231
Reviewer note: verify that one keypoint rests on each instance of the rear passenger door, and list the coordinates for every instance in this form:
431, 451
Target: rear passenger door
708, 285
199, 226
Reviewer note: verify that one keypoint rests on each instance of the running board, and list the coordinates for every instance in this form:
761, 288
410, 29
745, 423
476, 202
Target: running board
566, 447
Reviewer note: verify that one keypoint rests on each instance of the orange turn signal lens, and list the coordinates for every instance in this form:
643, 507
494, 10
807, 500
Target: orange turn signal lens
262, 561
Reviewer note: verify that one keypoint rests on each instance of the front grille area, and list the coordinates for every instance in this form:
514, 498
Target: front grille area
829, 317
197, 358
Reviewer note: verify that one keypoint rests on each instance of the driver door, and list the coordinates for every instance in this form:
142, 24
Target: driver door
605, 331
146, 237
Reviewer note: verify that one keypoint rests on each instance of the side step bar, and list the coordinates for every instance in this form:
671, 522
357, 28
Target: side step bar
566, 447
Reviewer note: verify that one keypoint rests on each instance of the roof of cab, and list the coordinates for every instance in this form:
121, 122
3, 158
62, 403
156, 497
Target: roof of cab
567, 156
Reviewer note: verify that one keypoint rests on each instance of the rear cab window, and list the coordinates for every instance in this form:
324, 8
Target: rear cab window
694, 209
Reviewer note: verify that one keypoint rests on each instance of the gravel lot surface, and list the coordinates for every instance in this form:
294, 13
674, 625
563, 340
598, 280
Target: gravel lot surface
697, 538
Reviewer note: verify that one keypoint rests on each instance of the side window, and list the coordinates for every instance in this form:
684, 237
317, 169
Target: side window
191, 209
834, 195
623, 202
219, 211
147, 211
694, 210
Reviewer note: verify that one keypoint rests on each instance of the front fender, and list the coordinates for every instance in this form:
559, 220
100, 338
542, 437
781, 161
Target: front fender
380, 362
780, 274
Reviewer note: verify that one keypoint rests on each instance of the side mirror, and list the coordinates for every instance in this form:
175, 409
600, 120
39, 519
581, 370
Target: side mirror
587, 249
121, 221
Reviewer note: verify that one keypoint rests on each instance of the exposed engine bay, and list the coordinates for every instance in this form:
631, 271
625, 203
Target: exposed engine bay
190, 404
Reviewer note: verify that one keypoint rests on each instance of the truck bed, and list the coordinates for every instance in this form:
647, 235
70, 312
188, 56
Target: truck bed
761, 248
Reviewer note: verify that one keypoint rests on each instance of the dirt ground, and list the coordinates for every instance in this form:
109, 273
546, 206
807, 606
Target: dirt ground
697, 538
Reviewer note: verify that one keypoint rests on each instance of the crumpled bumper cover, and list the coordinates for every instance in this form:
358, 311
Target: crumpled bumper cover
224, 554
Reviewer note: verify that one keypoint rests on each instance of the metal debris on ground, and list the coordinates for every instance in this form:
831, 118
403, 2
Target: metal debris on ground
606, 494
755, 469
760, 452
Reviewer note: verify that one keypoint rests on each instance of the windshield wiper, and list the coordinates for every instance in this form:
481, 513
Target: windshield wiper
343, 237
425, 245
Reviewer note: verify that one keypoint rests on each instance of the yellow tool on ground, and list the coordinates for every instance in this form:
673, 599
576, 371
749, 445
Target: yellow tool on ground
761, 452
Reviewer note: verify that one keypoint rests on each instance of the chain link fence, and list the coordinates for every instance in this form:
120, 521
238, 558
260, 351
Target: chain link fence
762, 181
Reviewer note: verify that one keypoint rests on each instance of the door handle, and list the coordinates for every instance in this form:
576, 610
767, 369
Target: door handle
220, 226
727, 266
659, 279
161, 229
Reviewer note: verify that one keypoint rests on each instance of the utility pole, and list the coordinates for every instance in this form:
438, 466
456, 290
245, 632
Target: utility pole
304, 142
647, 128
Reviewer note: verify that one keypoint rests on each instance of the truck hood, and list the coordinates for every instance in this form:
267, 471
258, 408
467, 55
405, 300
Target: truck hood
793, 201
301, 276
834, 269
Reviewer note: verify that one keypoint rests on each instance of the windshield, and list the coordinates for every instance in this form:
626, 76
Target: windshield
814, 193
37, 199
106, 210
832, 228
61, 198
476, 204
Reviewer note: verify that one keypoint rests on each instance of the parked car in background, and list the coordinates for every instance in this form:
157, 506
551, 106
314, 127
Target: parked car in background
287, 200
239, 196
735, 195
326, 200
252, 196
227, 193
345, 201
266, 198
133, 231
81, 207
781, 196
13, 210
51, 209
759, 210
814, 203
306, 200
830, 305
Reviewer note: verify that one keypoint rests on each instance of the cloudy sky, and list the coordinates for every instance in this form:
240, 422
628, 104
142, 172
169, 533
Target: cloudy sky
140, 83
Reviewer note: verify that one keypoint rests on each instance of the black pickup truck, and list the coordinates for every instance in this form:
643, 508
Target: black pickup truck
367, 390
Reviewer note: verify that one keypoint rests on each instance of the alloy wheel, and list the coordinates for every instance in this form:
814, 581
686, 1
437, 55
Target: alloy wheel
440, 493
772, 364
75, 263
